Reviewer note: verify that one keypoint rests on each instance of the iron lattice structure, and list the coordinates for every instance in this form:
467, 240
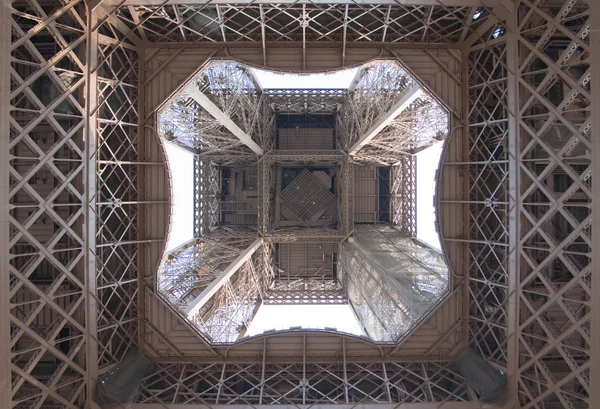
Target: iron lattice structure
79, 167
403, 214
179, 279
305, 291
187, 120
423, 122
305, 101
391, 290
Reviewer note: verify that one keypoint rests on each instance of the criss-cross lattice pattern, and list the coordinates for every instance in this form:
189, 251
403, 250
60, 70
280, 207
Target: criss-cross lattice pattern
305, 291
555, 270
375, 90
305, 100
310, 22
47, 247
303, 383
305, 195
403, 195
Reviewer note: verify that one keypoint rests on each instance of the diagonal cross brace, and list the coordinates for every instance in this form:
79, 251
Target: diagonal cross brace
197, 303
223, 119
413, 93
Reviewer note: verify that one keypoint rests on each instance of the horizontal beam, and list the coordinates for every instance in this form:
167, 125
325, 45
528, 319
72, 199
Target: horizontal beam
197, 303
223, 119
220, 47
447, 3
413, 93
370, 353
395, 405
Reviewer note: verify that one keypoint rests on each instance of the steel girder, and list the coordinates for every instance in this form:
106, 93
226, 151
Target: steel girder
551, 193
404, 195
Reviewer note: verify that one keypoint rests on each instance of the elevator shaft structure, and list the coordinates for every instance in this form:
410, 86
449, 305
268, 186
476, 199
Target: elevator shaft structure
392, 281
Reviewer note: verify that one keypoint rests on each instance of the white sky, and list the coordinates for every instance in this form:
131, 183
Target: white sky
427, 164
181, 163
337, 79
281, 317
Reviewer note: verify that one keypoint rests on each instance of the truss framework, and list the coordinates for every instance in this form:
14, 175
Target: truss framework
185, 122
304, 383
297, 23
305, 291
305, 101
389, 115
187, 271
391, 290
404, 195
554, 255
227, 315
415, 129
72, 262
371, 98
329, 158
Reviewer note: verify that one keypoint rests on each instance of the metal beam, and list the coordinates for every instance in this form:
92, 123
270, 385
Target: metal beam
254, 80
447, 3
263, 34
481, 30
594, 400
515, 199
223, 119
194, 306
103, 10
344, 36
413, 93
90, 210
359, 74
432, 405
5, 336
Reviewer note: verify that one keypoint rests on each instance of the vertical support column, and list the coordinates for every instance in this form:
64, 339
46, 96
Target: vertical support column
90, 156
262, 373
347, 197
514, 198
387, 382
142, 210
465, 154
263, 34
264, 194
594, 401
413, 196
221, 383
345, 368
303, 381
5, 355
